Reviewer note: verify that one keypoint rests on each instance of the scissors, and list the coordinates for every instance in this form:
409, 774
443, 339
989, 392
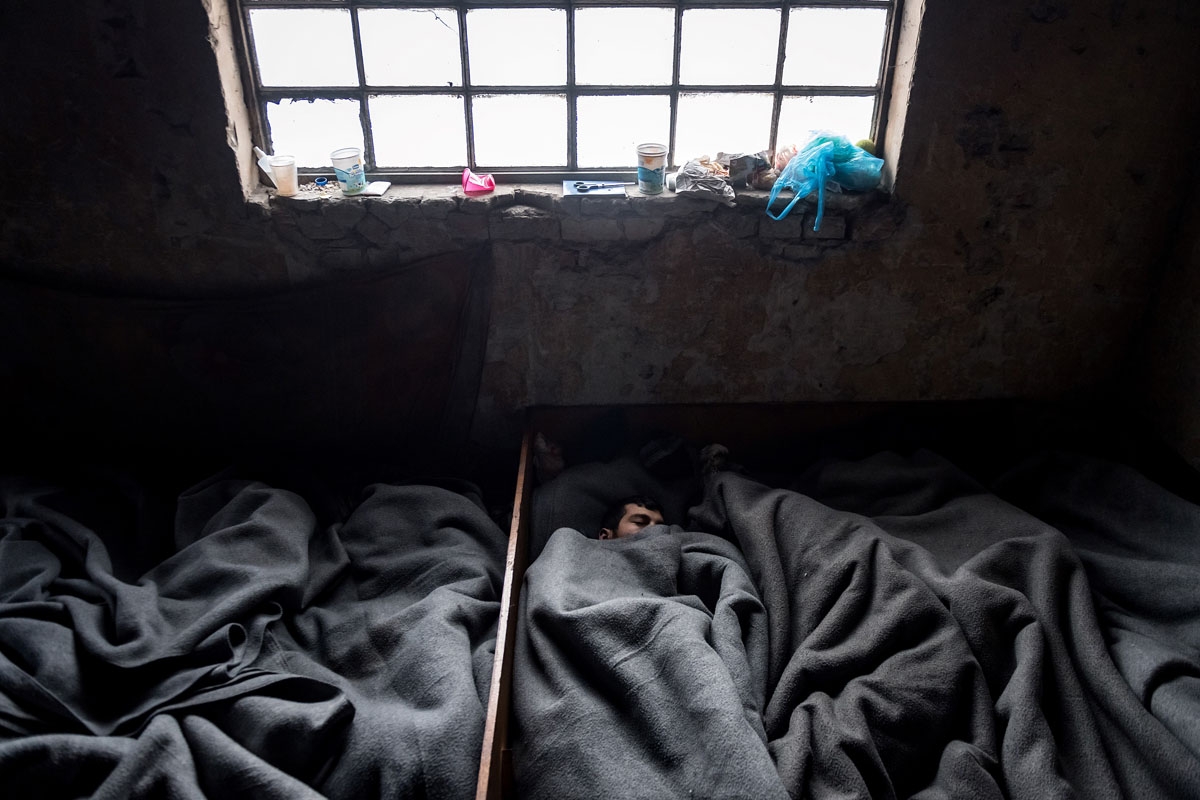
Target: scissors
583, 187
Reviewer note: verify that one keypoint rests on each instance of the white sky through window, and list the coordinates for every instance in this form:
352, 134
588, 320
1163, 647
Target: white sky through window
730, 123
311, 130
624, 46
284, 60
521, 130
526, 46
834, 46
410, 47
728, 45
849, 116
411, 63
611, 128
419, 130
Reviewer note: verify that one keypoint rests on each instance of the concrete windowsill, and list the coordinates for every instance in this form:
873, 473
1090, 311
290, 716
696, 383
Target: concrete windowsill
549, 196
325, 231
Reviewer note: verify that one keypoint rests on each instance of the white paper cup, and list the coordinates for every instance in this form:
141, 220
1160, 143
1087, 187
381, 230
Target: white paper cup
283, 170
652, 167
348, 166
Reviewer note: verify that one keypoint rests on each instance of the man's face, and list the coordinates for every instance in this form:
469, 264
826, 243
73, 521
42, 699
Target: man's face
632, 521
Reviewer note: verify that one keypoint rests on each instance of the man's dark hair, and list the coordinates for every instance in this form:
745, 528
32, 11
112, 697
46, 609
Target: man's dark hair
612, 517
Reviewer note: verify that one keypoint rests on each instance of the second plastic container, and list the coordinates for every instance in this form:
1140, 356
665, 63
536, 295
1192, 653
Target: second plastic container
348, 166
652, 167
283, 172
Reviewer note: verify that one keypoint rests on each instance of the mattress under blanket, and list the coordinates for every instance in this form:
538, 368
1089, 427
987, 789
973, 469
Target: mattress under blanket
268, 655
927, 636
640, 669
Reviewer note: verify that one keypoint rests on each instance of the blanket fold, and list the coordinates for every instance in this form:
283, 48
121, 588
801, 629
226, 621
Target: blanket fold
639, 663
907, 631
268, 655
1002, 680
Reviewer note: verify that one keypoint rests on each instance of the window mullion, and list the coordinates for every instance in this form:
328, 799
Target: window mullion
777, 102
364, 112
468, 94
572, 96
883, 92
250, 59
672, 156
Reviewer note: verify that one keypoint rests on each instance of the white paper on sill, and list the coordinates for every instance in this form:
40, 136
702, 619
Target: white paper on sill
376, 188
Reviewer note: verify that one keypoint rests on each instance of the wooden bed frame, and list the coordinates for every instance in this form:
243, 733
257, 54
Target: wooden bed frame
495, 763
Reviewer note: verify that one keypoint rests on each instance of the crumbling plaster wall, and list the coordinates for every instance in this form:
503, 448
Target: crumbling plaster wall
125, 169
1034, 191
1045, 153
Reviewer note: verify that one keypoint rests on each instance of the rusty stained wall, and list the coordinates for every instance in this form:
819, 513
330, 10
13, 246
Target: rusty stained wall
1036, 187
1047, 148
124, 169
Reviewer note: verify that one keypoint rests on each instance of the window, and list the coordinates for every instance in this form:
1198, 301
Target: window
544, 90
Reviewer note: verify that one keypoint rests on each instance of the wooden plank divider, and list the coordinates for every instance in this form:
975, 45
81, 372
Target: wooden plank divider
495, 770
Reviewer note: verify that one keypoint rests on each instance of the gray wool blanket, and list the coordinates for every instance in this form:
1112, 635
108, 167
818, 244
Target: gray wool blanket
267, 655
926, 636
640, 670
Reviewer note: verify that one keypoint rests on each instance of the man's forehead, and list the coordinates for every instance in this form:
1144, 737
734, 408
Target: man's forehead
635, 508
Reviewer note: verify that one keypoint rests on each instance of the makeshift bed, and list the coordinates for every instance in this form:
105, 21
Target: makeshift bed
913, 616
312, 622
265, 642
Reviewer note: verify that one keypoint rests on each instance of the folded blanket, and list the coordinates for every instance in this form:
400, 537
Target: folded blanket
1140, 545
929, 639
268, 655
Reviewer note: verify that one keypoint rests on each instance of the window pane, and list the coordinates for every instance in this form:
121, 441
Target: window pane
419, 131
520, 130
287, 42
730, 123
311, 130
729, 46
410, 47
834, 46
849, 116
517, 47
610, 128
624, 46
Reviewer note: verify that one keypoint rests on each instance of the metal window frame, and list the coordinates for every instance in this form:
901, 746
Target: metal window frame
261, 95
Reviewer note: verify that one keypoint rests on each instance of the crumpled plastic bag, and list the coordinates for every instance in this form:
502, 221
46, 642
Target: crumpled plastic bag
753, 170
704, 178
474, 183
829, 161
784, 155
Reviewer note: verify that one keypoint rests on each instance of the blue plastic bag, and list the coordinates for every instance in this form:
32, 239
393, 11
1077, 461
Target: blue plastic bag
827, 161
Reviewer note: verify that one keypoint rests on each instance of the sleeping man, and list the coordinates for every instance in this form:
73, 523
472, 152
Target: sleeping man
631, 515
640, 663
